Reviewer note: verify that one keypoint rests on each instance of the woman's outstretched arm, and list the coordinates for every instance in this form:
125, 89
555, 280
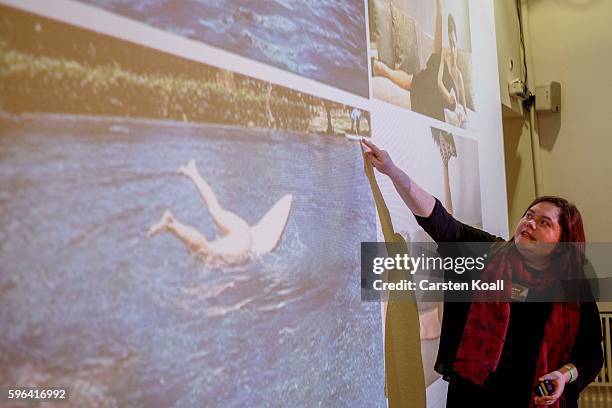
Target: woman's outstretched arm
397, 76
445, 93
419, 201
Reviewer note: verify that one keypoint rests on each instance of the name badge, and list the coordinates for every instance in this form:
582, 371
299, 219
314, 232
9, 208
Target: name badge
519, 292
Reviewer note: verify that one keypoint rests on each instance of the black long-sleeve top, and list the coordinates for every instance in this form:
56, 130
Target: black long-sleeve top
515, 372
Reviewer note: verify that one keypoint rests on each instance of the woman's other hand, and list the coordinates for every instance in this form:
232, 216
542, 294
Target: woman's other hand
559, 381
379, 158
461, 117
452, 101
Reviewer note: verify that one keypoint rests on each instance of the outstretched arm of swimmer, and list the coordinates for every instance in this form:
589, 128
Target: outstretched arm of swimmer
419, 201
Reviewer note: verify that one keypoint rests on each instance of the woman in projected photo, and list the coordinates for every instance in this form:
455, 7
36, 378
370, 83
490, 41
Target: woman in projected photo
240, 241
496, 353
440, 84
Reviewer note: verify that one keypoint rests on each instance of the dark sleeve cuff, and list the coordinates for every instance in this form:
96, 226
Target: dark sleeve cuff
435, 211
434, 219
436, 225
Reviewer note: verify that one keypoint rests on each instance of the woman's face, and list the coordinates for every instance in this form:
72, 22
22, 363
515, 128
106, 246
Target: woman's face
540, 225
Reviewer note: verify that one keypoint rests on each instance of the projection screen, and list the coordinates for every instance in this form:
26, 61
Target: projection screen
183, 194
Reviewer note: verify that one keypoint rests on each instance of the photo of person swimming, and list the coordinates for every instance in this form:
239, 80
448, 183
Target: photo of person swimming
240, 240
230, 299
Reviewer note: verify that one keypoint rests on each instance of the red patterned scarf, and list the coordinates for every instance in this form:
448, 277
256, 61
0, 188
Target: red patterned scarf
487, 323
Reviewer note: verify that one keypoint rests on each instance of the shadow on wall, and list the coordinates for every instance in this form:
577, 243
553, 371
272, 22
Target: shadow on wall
513, 129
549, 125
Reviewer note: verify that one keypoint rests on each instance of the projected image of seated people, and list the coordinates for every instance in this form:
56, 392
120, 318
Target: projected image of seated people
424, 74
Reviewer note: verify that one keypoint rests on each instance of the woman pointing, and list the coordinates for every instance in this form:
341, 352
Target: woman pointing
496, 354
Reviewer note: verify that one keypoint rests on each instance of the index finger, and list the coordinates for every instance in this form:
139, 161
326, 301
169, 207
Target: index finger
371, 145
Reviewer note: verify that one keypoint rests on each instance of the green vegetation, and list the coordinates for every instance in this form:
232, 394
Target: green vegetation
48, 84
50, 66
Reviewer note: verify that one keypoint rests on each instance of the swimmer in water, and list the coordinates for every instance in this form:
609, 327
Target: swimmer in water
239, 241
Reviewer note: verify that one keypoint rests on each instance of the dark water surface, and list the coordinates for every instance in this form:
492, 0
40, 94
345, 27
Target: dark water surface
324, 40
88, 301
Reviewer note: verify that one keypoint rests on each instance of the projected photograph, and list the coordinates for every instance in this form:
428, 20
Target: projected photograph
447, 166
318, 39
459, 192
422, 58
175, 234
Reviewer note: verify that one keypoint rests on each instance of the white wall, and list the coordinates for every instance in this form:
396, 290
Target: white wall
571, 42
425, 13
